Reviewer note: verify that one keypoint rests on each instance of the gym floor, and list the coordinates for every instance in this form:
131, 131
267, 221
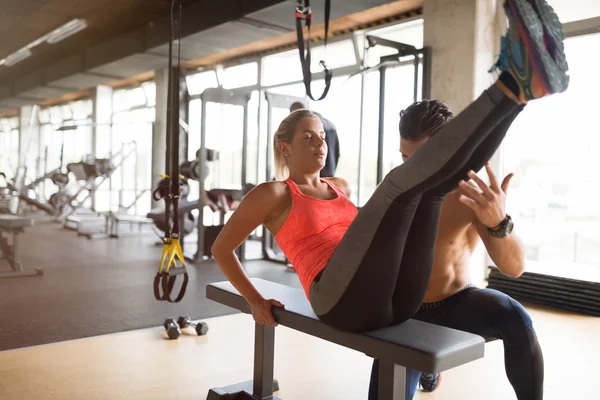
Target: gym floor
90, 329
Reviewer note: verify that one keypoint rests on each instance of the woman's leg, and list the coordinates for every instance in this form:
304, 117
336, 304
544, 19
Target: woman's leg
355, 290
410, 289
362, 274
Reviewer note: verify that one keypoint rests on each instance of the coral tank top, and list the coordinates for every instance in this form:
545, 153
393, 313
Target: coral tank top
313, 230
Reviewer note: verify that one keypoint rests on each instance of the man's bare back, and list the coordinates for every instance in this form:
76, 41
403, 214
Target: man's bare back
456, 242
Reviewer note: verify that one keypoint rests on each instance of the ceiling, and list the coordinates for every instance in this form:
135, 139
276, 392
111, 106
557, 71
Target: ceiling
129, 37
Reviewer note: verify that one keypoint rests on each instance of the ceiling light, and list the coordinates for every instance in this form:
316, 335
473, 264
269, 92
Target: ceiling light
68, 29
16, 57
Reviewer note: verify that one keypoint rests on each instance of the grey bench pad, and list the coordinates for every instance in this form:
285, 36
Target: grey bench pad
9, 222
414, 344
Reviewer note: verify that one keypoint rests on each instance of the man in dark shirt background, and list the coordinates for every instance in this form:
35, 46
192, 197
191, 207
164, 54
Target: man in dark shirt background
331, 138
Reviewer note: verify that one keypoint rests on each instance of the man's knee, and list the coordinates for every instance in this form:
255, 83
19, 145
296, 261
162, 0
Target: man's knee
509, 315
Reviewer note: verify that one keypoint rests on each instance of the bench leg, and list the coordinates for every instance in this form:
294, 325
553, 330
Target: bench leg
392, 381
263, 385
11, 254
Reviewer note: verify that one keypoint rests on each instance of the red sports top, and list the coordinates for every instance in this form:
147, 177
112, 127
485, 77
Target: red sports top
313, 230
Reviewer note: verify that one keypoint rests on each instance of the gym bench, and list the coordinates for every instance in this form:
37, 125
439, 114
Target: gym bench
13, 225
414, 344
111, 225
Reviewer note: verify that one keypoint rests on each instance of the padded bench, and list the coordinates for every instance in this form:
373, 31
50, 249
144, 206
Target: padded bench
14, 225
414, 344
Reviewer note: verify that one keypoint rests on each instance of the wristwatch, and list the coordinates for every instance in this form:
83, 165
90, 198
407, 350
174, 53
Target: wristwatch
503, 229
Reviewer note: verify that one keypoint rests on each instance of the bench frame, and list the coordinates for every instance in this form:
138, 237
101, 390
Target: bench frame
392, 377
10, 253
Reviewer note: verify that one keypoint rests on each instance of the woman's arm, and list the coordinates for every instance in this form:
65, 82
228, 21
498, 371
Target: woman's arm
255, 209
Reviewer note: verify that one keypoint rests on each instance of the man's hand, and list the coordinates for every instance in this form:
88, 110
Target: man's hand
487, 202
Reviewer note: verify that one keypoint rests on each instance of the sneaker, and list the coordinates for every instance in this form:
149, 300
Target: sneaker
532, 50
430, 382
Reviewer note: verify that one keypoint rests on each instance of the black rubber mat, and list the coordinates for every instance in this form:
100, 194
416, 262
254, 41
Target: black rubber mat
562, 293
95, 287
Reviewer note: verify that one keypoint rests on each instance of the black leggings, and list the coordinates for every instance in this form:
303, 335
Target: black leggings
379, 272
488, 313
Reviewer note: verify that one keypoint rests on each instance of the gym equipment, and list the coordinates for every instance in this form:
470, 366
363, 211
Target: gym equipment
304, 12
206, 234
14, 226
201, 327
172, 328
169, 188
413, 344
554, 291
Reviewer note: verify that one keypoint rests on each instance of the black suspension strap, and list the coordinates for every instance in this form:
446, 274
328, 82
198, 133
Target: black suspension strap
303, 12
169, 187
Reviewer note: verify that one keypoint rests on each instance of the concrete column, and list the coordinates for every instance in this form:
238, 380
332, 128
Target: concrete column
102, 132
465, 39
159, 133
29, 144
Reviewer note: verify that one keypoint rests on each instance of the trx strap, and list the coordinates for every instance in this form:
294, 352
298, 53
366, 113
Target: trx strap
303, 12
169, 189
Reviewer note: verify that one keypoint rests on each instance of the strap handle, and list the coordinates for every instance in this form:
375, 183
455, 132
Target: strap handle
303, 12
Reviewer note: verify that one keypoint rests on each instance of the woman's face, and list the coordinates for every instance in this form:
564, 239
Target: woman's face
308, 151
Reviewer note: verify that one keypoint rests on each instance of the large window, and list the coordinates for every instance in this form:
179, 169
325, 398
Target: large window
552, 148
129, 145
65, 137
342, 107
9, 146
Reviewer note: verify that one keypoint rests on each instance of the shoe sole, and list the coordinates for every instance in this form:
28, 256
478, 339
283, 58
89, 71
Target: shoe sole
531, 28
553, 27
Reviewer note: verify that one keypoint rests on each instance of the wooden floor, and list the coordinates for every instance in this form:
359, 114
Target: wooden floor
142, 365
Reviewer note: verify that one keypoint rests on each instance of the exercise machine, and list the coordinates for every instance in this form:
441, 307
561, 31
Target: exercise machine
14, 225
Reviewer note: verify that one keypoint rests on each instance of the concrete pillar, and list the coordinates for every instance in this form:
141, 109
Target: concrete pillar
29, 144
102, 132
465, 39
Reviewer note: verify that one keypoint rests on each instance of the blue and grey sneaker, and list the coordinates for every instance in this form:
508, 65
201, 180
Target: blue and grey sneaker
533, 50
430, 382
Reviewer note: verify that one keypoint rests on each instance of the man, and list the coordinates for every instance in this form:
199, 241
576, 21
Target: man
473, 212
331, 138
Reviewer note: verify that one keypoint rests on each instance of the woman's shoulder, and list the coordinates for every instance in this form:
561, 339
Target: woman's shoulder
269, 192
341, 184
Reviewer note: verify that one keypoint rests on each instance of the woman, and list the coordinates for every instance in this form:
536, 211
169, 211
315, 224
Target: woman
369, 269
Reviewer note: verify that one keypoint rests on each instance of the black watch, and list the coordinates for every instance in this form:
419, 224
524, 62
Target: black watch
503, 229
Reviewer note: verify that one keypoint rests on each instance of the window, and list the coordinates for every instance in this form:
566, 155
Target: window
281, 67
198, 83
342, 107
370, 132
240, 76
338, 54
9, 145
408, 33
552, 148
150, 93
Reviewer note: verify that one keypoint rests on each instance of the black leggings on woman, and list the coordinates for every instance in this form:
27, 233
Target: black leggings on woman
379, 272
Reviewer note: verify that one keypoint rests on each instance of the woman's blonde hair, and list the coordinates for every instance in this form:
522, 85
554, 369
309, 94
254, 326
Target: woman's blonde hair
285, 134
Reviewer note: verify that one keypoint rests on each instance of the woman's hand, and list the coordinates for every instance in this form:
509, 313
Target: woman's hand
262, 313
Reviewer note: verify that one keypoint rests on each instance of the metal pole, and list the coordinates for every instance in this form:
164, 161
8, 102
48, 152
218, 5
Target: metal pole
245, 143
201, 169
380, 135
360, 140
426, 87
416, 78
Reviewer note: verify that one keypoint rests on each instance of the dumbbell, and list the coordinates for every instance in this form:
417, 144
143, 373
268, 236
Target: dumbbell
201, 327
172, 328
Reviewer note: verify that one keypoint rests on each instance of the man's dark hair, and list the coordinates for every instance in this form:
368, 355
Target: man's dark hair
296, 106
423, 118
